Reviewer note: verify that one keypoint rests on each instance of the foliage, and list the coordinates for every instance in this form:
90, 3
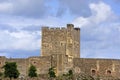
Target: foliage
10, 70
68, 75
51, 72
70, 72
1, 74
32, 71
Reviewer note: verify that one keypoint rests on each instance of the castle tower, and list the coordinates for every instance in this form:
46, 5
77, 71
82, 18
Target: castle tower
65, 41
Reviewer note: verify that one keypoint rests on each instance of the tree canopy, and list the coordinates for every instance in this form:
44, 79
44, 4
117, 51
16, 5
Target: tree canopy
32, 71
51, 72
10, 70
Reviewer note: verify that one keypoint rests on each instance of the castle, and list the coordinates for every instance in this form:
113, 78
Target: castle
60, 48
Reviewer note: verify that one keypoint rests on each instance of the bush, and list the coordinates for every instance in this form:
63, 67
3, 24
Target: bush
32, 71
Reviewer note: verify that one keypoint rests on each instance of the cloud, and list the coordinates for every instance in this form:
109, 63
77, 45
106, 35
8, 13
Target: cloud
5, 7
26, 8
44, 8
99, 32
32, 28
100, 13
7, 27
81, 7
21, 40
23, 23
76, 7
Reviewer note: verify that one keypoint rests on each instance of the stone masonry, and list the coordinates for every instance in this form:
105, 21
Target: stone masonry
60, 48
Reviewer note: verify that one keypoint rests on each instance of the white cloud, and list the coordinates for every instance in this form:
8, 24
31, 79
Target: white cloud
6, 7
99, 32
25, 8
100, 12
19, 40
22, 22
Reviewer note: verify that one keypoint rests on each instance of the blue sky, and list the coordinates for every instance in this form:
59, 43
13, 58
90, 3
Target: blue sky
21, 21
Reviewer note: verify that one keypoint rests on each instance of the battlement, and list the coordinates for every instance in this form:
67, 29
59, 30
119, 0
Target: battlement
56, 28
69, 26
78, 29
45, 28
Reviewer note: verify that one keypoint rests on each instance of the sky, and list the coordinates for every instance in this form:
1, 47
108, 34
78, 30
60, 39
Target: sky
21, 22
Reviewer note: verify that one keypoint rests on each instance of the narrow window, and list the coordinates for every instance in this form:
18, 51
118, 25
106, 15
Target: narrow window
108, 72
34, 62
93, 72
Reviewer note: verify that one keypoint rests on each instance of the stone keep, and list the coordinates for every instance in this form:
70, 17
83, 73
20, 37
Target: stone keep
62, 44
65, 41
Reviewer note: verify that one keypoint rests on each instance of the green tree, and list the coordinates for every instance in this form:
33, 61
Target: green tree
1, 74
70, 74
51, 73
10, 70
32, 71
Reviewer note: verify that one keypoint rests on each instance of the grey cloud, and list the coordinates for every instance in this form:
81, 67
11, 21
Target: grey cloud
32, 28
60, 11
32, 8
28, 8
95, 42
3, 0
7, 27
41, 8
77, 7
101, 39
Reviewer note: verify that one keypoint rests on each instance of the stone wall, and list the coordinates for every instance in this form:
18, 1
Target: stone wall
41, 63
22, 65
97, 67
2, 63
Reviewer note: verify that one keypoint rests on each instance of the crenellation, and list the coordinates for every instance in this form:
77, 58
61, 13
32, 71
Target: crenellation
52, 29
63, 28
77, 29
58, 28
70, 26
45, 28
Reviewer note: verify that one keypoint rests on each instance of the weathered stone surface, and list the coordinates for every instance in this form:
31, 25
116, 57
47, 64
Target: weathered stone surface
64, 41
101, 67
